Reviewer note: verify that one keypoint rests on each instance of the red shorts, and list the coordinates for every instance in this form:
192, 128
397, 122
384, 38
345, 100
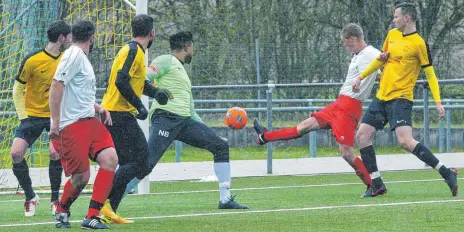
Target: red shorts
343, 117
80, 141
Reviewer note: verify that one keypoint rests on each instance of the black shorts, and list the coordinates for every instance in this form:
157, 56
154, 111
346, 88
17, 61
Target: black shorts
129, 140
31, 128
397, 112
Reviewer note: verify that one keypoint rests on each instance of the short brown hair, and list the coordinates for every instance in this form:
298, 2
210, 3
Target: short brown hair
409, 9
352, 30
142, 25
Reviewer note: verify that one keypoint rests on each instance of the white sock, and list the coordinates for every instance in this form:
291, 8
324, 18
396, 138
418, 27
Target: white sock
224, 191
439, 165
375, 175
222, 171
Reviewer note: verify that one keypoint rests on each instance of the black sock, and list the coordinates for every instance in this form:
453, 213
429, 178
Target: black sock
424, 154
444, 171
54, 172
377, 182
21, 171
368, 158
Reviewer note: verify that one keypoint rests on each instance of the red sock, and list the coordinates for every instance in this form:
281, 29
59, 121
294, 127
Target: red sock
361, 171
70, 194
281, 134
101, 189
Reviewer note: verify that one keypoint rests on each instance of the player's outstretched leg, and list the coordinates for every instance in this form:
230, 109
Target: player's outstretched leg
260, 131
265, 136
209, 140
226, 201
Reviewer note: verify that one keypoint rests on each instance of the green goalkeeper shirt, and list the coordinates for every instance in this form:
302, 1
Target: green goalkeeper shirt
167, 72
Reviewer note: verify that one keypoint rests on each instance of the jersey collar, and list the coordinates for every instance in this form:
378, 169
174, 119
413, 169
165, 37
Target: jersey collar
412, 33
141, 47
50, 55
178, 59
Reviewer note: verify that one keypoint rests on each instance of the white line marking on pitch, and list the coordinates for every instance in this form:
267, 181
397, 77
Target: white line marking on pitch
264, 211
265, 188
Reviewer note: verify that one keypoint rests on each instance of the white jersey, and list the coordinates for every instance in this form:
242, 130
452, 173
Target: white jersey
76, 72
359, 62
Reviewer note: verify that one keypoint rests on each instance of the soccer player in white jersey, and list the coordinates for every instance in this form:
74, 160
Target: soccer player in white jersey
343, 115
76, 133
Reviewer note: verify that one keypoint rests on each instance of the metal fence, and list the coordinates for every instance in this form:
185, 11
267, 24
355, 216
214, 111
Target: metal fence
268, 107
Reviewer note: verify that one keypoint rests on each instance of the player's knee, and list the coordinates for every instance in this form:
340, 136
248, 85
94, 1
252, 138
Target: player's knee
18, 150
363, 136
80, 180
347, 153
406, 143
108, 159
221, 151
17, 155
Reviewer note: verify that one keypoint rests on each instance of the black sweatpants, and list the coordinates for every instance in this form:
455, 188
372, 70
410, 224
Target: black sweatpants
167, 127
132, 148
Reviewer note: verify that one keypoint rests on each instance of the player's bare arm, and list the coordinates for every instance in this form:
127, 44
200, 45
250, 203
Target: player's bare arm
104, 113
56, 96
384, 56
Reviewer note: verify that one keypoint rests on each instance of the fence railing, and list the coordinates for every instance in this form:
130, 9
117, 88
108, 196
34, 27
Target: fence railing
269, 109
267, 106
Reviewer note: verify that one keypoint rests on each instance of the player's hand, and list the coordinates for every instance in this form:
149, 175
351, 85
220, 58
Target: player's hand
356, 84
54, 130
441, 111
383, 56
162, 96
106, 116
142, 113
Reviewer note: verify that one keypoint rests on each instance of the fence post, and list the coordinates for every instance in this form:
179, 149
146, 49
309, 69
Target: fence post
179, 148
426, 115
448, 128
144, 185
258, 76
312, 140
441, 137
269, 91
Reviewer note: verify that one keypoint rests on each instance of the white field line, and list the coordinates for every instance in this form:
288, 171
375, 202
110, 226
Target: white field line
264, 188
264, 211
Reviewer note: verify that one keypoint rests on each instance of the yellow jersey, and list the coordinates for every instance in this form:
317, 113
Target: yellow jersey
36, 72
130, 58
408, 54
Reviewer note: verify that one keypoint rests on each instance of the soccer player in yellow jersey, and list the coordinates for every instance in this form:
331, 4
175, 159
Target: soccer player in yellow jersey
126, 85
30, 96
404, 54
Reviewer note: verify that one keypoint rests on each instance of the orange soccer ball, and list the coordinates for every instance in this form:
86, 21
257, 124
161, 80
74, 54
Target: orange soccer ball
236, 118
